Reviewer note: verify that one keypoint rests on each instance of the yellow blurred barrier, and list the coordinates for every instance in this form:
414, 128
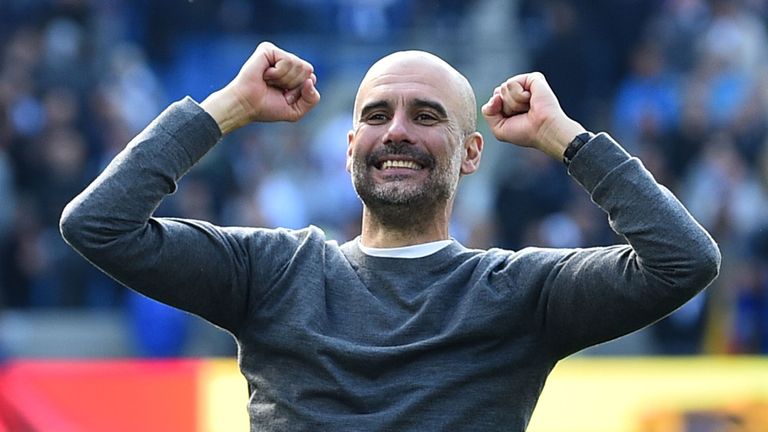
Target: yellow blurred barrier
223, 397
727, 394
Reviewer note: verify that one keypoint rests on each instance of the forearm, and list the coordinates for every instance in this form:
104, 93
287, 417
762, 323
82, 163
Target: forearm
129, 190
184, 263
663, 234
601, 293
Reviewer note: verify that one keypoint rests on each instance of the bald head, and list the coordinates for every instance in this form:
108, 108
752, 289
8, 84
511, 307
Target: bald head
420, 67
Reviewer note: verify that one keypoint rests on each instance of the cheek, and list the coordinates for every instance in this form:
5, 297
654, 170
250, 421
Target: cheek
357, 153
448, 147
362, 144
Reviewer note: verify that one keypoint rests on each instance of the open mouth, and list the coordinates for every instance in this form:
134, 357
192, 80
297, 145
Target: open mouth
391, 164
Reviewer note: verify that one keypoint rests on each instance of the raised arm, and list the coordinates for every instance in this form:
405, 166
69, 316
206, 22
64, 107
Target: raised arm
592, 295
191, 265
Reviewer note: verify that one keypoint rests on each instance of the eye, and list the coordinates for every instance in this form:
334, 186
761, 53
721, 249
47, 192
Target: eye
426, 118
376, 118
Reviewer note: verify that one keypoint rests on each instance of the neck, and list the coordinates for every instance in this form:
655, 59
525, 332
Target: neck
404, 228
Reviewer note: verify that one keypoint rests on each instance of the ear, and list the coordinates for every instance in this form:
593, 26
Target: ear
473, 149
350, 140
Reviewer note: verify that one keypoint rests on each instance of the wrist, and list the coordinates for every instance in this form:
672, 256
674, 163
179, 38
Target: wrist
557, 137
226, 110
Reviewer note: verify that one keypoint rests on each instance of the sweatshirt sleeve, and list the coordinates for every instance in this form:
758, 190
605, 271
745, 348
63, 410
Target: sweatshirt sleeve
191, 265
596, 294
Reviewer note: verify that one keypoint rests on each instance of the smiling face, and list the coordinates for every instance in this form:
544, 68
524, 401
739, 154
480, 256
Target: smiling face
413, 135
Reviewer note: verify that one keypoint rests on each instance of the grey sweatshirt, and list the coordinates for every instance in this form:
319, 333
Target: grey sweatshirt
331, 339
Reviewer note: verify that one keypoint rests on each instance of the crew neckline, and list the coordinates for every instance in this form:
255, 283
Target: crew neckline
413, 251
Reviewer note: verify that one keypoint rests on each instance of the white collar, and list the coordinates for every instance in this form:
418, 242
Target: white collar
413, 251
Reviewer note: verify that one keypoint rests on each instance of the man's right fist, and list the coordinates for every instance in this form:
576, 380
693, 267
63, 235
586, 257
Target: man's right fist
272, 85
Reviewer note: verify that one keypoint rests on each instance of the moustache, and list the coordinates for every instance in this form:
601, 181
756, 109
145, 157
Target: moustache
400, 149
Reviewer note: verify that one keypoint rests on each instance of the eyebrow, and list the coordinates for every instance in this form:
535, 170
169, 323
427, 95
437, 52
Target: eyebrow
373, 106
416, 103
424, 103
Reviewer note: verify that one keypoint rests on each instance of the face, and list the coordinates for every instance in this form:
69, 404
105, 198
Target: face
409, 144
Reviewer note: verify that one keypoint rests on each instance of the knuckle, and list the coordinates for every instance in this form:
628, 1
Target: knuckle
265, 45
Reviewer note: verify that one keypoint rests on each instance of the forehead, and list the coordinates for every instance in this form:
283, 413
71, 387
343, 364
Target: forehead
403, 80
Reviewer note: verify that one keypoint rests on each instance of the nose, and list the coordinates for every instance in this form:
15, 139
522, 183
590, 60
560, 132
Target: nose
399, 129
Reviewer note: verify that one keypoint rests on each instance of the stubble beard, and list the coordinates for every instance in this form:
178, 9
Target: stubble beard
403, 203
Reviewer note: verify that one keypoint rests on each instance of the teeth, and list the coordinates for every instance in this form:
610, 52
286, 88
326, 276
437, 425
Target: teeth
400, 164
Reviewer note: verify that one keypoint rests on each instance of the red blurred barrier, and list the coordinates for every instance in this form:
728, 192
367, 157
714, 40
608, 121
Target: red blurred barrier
84, 396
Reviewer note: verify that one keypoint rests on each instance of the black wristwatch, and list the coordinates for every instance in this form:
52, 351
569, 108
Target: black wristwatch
575, 146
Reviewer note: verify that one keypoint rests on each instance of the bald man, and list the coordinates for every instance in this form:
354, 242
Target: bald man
402, 328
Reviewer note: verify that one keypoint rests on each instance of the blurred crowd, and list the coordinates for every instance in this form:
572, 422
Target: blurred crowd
680, 83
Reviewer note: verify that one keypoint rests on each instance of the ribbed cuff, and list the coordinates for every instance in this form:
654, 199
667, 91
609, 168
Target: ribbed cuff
595, 160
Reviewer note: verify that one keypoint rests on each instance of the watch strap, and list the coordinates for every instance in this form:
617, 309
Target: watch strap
576, 145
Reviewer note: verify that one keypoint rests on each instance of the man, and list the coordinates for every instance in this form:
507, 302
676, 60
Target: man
401, 329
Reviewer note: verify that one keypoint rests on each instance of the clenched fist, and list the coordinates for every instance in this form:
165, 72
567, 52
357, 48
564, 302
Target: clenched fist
523, 110
272, 85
